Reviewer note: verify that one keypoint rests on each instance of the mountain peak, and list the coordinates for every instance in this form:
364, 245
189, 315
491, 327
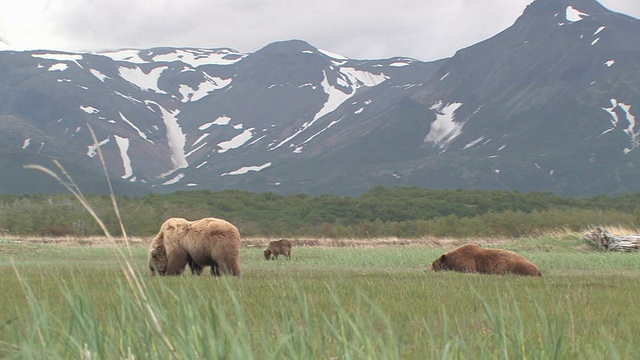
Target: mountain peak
295, 47
288, 47
565, 7
548, 15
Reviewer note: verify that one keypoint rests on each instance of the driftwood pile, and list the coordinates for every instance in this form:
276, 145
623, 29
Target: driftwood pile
603, 240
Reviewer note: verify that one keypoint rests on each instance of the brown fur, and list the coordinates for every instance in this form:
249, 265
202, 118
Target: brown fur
206, 242
472, 258
279, 247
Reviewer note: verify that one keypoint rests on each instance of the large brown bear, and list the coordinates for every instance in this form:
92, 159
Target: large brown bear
206, 242
472, 258
279, 247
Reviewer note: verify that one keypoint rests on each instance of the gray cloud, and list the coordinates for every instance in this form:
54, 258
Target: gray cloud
422, 29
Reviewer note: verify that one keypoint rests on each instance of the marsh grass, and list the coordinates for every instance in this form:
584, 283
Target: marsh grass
345, 303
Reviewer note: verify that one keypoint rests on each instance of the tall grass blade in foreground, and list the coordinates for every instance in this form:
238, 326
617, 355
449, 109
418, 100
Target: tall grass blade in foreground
132, 277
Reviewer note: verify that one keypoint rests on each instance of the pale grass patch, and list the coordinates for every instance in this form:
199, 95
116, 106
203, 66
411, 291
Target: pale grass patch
425, 241
250, 242
262, 242
92, 241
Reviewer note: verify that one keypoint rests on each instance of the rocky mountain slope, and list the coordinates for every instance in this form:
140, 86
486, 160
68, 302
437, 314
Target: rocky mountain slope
549, 104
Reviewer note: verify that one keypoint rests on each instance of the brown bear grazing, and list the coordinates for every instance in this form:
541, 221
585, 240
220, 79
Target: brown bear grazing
471, 258
279, 247
206, 242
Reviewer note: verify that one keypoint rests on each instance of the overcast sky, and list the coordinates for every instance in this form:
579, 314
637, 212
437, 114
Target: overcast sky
359, 29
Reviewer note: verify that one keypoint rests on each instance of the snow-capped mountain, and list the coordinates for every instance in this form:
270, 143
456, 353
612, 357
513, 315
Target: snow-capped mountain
549, 104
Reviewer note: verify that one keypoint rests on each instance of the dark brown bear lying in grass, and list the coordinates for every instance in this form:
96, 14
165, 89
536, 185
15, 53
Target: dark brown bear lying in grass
471, 258
279, 247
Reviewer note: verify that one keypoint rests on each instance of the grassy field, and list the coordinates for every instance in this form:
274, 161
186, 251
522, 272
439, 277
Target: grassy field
62, 301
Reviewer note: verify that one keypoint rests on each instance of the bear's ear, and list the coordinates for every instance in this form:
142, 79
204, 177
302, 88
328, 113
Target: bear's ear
443, 257
156, 252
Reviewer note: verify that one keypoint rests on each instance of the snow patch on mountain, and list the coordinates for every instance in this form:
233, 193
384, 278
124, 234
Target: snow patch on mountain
599, 30
89, 109
128, 97
222, 120
202, 137
348, 77
58, 67
140, 133
402, 62
632, 130
614, 117
333, 55
190, 56
298, 149
474, 142
573, 15
359, 78
444, 128
195, 149
128, 55
176, 139
236, 142
212, 83
308, 85
335, 98
246, 169
92, 149
144, 81
197, 57
174, 179
123, 146
98, 74
60, 57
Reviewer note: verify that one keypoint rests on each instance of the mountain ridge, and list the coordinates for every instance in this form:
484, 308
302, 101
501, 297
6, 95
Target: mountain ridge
542, 106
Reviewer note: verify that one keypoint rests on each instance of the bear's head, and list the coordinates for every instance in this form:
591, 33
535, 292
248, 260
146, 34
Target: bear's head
440, 263
267, 254
158, 260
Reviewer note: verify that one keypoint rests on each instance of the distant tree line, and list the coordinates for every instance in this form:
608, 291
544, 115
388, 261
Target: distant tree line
381, 212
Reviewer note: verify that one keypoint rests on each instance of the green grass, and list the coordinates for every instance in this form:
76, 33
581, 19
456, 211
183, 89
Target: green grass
344, 303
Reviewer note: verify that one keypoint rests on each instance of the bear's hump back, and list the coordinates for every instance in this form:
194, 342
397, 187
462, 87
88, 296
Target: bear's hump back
215, 225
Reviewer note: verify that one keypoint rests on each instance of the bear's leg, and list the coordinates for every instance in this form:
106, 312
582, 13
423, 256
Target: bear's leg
215, 269
195, 268
231, 267
177, 260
